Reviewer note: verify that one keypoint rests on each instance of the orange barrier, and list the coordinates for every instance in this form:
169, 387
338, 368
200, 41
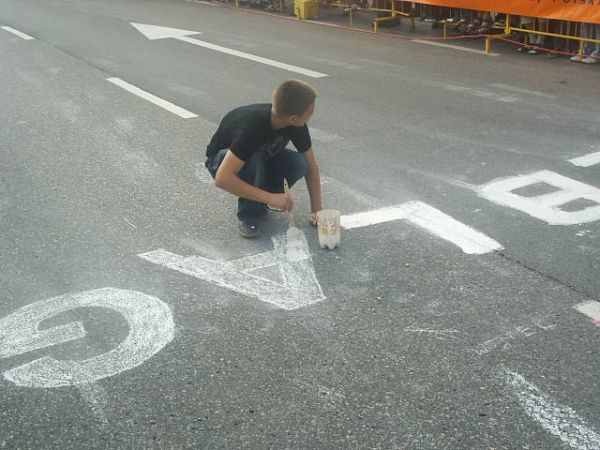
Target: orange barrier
587, 11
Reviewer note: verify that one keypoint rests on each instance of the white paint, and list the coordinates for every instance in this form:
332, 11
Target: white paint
201, 2
202, 174
545, 207
150, 323
561, 421
433, 220
516, 333
155, 32
521, 90
425, 330
587, 160
18, 33
478, 93
590, 309
296, 248
455, 47
94, 397
324, 137
152, 98
299, 288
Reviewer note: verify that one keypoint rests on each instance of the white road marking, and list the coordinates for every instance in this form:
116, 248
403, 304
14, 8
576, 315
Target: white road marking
150, 323
94, 397
516, 333
202, 2
590, 309
153, 32
18, 33
561, 421
324, 137
152, 98
521, 90
587, 160
455, 47
433, 220
546, 207
300, 286
477, 92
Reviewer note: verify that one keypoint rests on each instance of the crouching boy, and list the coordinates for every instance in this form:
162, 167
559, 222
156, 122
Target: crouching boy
248, 154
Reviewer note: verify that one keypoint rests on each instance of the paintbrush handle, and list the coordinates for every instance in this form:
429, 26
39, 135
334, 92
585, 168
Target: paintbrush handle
286, 189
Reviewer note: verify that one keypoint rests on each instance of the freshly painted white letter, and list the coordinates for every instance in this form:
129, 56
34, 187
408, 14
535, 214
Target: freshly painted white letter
546, 207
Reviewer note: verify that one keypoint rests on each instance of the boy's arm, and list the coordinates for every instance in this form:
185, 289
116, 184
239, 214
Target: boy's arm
313, 183
227, 179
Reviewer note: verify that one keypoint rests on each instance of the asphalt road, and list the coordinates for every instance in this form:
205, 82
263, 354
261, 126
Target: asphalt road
118, 328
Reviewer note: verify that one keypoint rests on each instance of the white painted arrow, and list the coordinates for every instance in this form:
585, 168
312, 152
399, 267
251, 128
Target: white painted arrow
154, 32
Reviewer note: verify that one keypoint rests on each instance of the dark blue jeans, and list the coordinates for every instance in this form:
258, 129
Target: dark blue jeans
266, 174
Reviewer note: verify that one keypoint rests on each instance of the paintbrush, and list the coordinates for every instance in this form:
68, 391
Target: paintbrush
286, 189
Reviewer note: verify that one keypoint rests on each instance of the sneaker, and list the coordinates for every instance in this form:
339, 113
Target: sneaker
249, 229
577, 58
589, 60
533, 51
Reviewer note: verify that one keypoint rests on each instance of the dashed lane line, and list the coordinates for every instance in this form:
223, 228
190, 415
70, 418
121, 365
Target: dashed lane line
152, 98
18, 33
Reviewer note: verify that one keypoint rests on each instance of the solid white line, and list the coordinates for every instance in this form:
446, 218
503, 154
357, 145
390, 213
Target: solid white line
587, 160
260, 59
590, 309
18, 33
433, 220
559, 420
203, 3
152, 98
455, 47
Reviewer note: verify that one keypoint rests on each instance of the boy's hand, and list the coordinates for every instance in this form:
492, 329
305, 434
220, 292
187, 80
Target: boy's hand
313, 218
282, 201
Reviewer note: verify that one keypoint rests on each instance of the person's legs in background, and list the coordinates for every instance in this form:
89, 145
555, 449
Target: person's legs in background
584, 32
527, 23
537, 40
593, 49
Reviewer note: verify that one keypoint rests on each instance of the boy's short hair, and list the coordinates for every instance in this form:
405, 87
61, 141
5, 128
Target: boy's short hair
293, 98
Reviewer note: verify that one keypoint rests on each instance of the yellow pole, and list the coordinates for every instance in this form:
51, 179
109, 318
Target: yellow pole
507, 25
376, 26
488, 45
350, 16
445, 30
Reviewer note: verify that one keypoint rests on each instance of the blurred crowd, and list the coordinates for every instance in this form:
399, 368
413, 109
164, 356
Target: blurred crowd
484, 22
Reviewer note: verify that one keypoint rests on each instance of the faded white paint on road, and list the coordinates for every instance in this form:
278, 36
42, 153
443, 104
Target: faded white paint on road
298, 285
150, 323
454, 47
547, 207
559, 420
433, 220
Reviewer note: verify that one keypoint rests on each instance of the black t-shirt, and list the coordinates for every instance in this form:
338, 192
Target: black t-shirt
248, 129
